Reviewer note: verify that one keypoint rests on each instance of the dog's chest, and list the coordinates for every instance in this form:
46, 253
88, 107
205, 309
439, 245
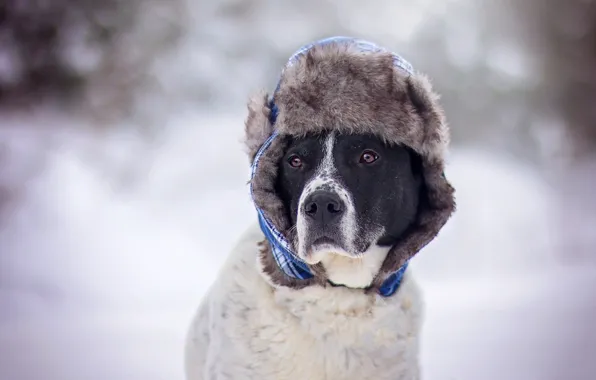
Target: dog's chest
332, 334
246, 329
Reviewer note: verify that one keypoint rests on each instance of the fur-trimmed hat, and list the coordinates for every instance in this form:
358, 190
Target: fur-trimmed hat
349, 86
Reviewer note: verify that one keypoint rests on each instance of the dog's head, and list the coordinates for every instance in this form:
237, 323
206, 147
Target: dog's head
348, 165
348, 195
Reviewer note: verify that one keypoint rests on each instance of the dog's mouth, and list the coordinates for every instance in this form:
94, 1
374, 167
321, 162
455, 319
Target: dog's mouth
324, 240
322, 246
325, 243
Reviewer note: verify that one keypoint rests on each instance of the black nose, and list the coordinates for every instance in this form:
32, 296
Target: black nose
323, 206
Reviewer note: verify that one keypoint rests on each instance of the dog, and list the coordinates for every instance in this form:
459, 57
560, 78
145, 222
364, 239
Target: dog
348, 183
343, 193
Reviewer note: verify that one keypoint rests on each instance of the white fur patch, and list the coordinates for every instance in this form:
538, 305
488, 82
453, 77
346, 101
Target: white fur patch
354, 272
324, 177
247, 329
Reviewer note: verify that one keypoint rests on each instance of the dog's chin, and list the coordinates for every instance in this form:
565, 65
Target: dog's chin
354, 270
323, 247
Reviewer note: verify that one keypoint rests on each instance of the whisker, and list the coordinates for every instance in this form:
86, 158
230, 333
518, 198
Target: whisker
294, 236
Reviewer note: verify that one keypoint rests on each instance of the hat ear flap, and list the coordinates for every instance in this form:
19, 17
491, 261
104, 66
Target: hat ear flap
258, 126
425, 100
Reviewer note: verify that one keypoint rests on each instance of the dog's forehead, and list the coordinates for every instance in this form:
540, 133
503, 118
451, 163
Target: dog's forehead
333, 142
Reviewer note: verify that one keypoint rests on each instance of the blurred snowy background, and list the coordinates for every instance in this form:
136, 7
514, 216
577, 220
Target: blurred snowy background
123, 180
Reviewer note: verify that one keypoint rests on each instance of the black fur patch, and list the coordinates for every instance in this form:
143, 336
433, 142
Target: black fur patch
385, 192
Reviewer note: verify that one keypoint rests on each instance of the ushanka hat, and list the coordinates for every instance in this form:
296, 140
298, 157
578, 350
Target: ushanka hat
350, 86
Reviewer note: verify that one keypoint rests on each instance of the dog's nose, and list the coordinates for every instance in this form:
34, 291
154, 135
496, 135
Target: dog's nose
323, 206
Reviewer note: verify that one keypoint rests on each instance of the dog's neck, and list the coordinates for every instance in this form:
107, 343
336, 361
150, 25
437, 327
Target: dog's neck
280, 267
354, 272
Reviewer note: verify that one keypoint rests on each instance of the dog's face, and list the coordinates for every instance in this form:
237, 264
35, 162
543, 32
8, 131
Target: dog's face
349, 197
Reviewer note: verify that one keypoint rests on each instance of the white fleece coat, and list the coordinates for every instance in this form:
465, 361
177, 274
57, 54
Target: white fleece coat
247, 329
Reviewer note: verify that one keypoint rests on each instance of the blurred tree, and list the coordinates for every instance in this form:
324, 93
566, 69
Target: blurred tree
563, 36
512, 74
92, 54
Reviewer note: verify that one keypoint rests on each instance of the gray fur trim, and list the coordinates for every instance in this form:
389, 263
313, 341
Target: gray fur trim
335, 87
276, 276
263, 184
257, 126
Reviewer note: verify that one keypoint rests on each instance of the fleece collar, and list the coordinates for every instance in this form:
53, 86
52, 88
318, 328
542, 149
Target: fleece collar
281, 249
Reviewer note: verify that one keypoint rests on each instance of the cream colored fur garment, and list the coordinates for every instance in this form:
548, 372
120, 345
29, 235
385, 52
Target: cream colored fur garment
247, 329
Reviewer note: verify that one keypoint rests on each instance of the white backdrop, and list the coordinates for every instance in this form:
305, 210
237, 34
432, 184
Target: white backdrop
99, 280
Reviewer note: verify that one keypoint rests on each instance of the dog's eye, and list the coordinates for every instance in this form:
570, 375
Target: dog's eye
368, 157
295, 161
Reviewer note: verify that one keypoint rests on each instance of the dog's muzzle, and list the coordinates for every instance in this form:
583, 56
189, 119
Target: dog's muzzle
323, 214
323, 209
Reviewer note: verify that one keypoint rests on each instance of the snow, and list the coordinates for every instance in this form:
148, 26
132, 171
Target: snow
519, 327
109, 237
100, 274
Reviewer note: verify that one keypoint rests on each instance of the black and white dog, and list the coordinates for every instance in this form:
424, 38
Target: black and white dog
352, 195
348, 183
